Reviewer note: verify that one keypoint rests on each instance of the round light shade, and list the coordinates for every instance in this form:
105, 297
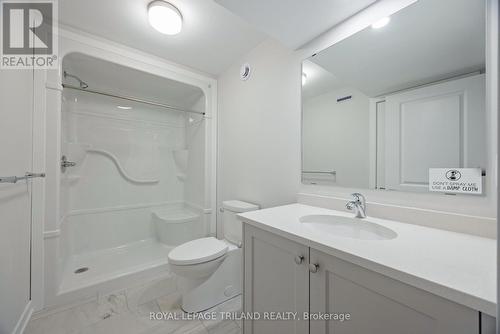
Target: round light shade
381, 23
165, 17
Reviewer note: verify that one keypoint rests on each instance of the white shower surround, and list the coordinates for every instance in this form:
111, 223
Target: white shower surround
48, 264
125, 173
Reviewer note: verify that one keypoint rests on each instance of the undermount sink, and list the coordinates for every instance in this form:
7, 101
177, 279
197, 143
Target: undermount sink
355, 228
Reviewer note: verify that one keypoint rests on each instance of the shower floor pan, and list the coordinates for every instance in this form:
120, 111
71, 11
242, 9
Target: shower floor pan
110, 266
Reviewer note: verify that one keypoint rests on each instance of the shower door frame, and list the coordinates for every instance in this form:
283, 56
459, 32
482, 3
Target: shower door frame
49, 83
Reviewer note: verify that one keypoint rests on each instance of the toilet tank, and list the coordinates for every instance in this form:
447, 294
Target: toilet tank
231, 225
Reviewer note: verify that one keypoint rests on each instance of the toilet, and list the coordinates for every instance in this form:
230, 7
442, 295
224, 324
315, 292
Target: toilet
209, 270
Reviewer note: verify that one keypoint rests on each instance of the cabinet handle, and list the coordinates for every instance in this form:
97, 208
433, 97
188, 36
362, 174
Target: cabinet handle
299, 259
313, 267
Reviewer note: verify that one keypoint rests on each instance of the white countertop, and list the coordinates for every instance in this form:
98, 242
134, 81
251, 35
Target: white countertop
456, 266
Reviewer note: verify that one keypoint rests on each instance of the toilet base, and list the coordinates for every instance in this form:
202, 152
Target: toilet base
224, 284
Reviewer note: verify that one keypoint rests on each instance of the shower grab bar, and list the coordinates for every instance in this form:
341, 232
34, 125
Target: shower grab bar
15, 179
119, 166
131, 98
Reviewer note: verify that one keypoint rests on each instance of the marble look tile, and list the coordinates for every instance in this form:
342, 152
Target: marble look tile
178, 327
231, 305
113, 315
65, 322
126, 323
170, 302
111, 304
104, 308
147, 308
200, 329
170, 305
95, 311
152, 290
143, 314
225, 327
69, 320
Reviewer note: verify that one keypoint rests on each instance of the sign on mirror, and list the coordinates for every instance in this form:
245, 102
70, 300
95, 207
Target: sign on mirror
456, 180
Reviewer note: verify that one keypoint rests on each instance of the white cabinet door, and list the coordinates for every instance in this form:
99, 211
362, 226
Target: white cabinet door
437, 126
274, 282
380, 305
16, 99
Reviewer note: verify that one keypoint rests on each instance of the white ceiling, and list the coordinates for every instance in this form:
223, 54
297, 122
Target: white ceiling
428, 41
319, 80
113, 78
295, 22
211, 40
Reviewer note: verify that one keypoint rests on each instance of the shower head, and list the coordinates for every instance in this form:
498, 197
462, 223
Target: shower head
82, 83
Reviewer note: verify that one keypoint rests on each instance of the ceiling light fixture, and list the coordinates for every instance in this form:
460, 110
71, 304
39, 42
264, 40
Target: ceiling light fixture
381, 23
124, 108
165, 17
304, 78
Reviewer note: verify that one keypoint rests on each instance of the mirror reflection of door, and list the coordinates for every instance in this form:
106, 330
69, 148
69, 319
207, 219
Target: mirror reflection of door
440, 125
383, 106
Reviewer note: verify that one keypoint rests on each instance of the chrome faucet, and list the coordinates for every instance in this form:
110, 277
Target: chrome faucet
358, 204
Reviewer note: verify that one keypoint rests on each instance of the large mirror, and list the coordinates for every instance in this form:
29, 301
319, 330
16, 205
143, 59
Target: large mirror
398, 100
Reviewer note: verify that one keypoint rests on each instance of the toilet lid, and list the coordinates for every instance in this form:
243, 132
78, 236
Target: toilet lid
197, 251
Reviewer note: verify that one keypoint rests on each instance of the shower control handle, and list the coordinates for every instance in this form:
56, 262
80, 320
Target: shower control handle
65, 163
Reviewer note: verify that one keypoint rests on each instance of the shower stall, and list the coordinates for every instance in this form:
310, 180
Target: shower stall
133, 179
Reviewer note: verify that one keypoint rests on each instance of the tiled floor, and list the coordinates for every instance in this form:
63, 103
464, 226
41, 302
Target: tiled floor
114, 315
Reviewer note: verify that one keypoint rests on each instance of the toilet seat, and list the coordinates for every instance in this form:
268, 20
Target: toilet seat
197, 251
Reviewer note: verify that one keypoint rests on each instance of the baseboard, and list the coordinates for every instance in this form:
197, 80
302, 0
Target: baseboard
47, 311
24, 319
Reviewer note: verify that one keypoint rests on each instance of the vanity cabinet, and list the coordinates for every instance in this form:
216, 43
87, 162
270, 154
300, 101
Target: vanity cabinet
276, 278
281, 275
379, 304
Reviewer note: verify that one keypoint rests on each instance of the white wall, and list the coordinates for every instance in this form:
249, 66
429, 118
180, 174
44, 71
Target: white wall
259, 128
335, 136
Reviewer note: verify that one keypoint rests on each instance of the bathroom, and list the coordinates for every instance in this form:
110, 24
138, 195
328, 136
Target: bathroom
201, 166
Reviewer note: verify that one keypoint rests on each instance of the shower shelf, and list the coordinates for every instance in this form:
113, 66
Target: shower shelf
175, 216
122, 171
175, 226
